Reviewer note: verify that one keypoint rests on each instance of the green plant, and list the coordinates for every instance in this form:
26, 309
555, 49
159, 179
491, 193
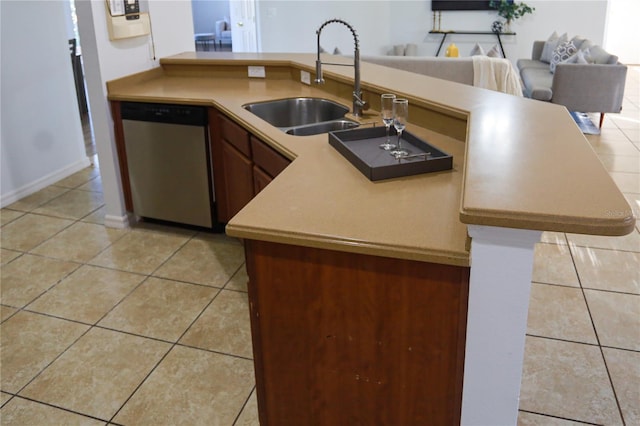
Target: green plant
510, 10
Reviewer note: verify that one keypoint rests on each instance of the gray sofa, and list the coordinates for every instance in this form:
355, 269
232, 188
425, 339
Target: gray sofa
496, 74
459, 70
590, 87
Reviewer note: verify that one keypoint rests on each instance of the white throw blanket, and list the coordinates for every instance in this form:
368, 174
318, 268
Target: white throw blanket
496, 74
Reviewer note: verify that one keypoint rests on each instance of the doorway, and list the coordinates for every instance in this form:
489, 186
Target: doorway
243, 26
75, 51
240, 28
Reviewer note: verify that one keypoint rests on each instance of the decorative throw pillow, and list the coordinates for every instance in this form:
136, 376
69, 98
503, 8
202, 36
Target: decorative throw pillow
550, 45
561, 53
398, 50
494, 52
586, 54
477, 50
578, 58
578, 40
411, 50
586, 44
601, 56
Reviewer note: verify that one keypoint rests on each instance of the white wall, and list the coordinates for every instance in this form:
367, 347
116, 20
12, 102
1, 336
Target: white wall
173, 26
623, 31
207, 12
42, 139
290, 26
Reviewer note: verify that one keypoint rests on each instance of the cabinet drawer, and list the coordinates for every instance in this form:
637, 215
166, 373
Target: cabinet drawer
260, 179
235, 135
267, 158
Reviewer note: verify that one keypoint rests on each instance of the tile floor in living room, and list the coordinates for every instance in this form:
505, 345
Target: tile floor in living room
150, 325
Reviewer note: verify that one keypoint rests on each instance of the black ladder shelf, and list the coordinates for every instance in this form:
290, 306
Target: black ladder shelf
446, 33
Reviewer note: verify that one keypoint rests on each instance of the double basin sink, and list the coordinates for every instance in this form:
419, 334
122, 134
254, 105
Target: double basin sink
303, 116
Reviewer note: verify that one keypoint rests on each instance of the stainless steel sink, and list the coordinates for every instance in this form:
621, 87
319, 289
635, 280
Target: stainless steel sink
297, 111
325, 127
302, 116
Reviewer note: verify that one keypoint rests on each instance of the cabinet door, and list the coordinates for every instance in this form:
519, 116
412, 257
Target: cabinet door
351, 339
235, 135
231, 159
267, 158
260, 179
238, 179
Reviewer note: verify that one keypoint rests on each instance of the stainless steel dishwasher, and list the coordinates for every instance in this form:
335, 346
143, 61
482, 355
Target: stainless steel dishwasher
169, 165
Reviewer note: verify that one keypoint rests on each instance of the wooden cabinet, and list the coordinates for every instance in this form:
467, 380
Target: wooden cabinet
232, 165
350, 339
260, 179
238, 171
243, 165
268, 163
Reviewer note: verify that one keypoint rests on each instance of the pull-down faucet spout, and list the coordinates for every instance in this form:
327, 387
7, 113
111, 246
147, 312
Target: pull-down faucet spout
359, 105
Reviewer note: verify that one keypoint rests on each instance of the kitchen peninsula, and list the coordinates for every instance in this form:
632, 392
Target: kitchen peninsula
400, 301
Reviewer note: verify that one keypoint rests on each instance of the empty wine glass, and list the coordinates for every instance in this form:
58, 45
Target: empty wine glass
386, 110
400, 115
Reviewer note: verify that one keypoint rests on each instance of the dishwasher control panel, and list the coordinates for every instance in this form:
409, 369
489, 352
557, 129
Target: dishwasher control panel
164, 113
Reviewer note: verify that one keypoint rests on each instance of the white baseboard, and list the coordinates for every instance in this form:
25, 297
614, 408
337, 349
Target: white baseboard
113, 221
43, 182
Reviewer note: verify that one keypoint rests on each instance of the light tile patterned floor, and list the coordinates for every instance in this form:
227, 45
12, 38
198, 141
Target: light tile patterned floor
150, 325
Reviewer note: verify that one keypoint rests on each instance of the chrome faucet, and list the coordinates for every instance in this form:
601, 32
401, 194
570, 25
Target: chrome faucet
359, 105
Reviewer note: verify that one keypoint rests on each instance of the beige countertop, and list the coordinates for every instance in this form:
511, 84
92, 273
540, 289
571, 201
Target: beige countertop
517, 163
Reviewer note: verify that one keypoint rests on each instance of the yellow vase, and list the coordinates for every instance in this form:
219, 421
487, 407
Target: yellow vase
452, 51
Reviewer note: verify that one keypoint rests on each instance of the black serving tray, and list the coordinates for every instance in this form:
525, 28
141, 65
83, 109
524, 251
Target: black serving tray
362, 148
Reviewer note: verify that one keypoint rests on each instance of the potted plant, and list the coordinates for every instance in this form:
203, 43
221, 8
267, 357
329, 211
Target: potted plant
510, 10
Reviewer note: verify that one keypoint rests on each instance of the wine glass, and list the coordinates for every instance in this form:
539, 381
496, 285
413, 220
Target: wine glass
400, 115
386, 110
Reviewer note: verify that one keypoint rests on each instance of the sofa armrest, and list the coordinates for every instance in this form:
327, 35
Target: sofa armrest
536, 51
589, 87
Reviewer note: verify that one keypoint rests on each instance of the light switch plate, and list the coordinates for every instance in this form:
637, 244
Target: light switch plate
305, 77
257, 72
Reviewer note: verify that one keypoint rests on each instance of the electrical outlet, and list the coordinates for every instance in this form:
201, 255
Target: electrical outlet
257, 72
305, 77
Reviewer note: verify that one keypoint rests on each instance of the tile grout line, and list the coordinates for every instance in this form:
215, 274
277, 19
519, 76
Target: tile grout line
595, 330
557, 339
120, 331
55, 406
140, 384
51, 362
95, 325
560, 418
235, 421
173, 344
90, 326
